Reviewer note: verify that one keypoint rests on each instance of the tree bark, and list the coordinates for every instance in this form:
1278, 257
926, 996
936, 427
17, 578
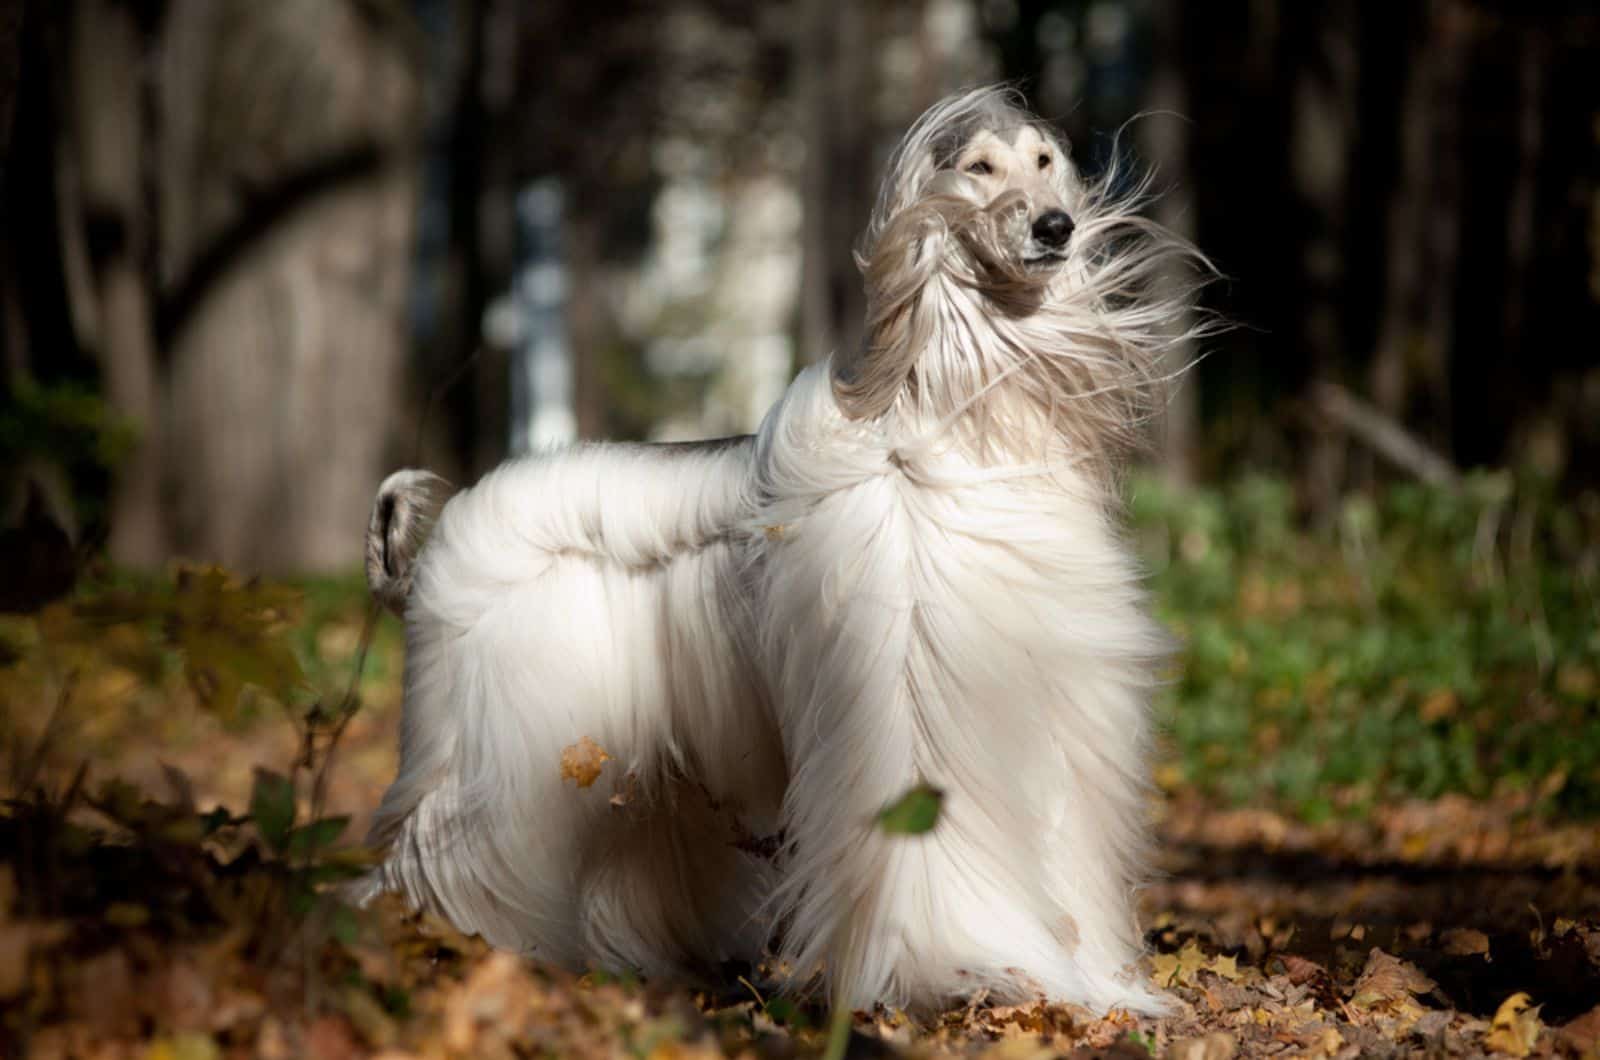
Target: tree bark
832, 67
1423, 223
108, 125
1164, 133
287, 263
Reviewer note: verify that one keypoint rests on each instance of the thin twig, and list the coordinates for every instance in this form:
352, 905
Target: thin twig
28, 768
1383, 435
347, 710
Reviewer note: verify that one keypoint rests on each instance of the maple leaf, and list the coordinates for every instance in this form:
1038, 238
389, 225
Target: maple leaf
1387, 984
581, 762
1179, 969
1226, 966
1515, 1027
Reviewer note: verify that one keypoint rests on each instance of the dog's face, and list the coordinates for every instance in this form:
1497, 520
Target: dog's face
989, 259
993, 164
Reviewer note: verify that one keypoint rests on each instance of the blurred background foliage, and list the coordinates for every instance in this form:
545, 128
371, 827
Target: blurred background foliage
253, 256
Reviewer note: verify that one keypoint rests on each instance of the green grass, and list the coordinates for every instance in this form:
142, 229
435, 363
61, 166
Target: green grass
1426, 642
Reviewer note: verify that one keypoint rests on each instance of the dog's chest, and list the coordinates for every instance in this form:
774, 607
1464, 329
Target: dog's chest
913, 566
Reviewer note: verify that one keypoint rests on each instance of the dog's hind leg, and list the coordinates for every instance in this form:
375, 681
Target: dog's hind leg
561, 689
667, 889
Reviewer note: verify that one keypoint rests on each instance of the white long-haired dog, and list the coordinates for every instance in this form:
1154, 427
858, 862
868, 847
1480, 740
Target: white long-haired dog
912, 574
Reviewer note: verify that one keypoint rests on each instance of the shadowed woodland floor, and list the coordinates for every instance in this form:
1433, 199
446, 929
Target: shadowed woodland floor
1375, 819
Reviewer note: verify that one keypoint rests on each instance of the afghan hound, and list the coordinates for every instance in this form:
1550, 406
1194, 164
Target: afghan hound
656, 696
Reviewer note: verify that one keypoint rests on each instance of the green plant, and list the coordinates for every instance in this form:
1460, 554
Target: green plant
1430, 641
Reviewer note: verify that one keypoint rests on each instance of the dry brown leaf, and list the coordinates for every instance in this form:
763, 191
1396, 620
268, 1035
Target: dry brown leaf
1465, 942
1026, 1048
581, 762
1582, 1035
17, 939
330, 1038
1327, 1042
1299, 969
1213, 1046
1387, 984
1515, 1027
484, 1000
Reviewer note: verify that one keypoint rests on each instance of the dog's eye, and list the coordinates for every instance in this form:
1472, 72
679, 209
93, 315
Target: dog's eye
1044, 161
980, 167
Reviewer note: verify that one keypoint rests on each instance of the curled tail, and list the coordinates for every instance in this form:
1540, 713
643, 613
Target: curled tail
403, 513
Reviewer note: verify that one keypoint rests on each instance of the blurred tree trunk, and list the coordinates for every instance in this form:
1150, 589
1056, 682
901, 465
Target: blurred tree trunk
1414, 336
833, 70
241, 178
107, 50
1164, 134
585, 332
1532, 63
10, 75
287, 208
1324, 84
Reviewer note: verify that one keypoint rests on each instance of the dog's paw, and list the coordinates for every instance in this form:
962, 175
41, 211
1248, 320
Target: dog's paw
407, 506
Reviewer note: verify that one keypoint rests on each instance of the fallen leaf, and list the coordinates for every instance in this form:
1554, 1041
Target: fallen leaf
183, 1047
1299, 969
581, 762
1178, 969
1226, 966
1387, 984
1213, 1046
1515, 1027
1465, 942
330, 1038
1582, 1035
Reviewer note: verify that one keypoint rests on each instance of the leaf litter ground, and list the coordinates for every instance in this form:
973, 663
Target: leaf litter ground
1450, 928
139, 919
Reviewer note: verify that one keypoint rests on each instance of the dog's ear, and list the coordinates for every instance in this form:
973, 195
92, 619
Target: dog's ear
897, 267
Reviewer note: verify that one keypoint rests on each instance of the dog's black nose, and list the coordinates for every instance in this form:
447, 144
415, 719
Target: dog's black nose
1053, 228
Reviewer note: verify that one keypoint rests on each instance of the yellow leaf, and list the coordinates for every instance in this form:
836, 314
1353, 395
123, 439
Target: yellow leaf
188, 1046
581, 762
1178, 969
1227, 967
1515, 1027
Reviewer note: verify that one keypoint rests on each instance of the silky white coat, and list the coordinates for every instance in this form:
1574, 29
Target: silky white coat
912, 574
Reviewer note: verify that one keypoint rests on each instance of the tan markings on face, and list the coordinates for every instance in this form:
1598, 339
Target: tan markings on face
1028, 163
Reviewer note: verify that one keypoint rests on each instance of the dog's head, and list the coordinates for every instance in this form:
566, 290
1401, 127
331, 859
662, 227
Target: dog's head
986, 172
996, 275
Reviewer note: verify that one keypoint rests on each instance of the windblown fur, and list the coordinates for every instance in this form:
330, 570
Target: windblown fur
912, 573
